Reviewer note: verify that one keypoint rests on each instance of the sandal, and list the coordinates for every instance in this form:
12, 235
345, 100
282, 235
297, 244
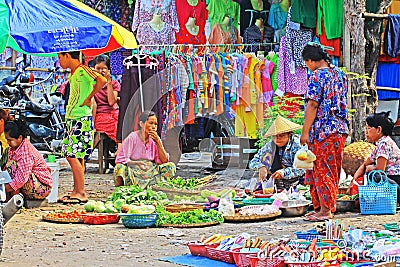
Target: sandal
74, 200
61, 199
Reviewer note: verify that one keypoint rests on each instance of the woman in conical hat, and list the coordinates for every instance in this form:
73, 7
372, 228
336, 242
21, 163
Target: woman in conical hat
275, 159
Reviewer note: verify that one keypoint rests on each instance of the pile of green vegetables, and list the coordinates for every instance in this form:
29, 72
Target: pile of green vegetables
181, 183
135, 194
187, 217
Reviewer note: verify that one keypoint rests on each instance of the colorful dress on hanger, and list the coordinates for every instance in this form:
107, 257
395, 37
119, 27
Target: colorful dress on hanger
144, 11
288, 82
185, 11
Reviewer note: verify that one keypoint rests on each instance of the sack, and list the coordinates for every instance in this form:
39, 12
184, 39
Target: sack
226, 206
378, 196
303, 159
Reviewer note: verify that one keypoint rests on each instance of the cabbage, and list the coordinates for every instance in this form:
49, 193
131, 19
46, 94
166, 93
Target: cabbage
99, 207
143, 209
118, 204
89, 206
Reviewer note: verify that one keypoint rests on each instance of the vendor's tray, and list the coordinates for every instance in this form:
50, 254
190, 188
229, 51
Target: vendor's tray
171, 192
192, 225
251, 218
175, 208
64, 217
100, 218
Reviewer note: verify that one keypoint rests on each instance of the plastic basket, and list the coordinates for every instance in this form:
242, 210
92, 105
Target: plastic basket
378, 197
241, 258
310, 235
197, 249
138, 220
100, 218
392, 226
266, 262
305, 264
219, 255
257, 201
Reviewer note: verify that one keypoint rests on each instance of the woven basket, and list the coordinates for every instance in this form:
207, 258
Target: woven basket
175, 208
354, 155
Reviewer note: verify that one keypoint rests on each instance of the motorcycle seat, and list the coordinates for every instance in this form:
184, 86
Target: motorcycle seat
39, 108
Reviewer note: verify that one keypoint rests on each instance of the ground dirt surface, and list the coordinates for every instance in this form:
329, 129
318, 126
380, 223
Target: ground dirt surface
29, 241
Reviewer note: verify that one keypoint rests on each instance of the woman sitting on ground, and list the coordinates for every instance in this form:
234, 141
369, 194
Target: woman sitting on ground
142, 159
275, 159
29, 172
385, 156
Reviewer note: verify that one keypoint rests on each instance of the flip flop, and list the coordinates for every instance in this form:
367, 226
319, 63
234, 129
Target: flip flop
61, 199
313, 218
74, 200
309, 214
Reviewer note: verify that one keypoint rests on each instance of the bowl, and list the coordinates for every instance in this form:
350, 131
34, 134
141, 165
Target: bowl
294, 208
345, 205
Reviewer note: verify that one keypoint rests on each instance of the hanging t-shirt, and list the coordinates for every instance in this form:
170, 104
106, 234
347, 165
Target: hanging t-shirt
218, 9
144, 11
332, 11
191, 9
249, 14
304, 12
277, 17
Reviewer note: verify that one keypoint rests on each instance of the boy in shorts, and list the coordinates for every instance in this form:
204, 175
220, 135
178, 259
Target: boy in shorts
77, 144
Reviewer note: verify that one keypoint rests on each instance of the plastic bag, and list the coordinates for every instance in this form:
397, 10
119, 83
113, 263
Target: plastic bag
226, 206
268, 186
252, 185
304, 158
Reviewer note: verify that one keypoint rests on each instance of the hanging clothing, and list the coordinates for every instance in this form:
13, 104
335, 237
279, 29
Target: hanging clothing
277, 17
391, 44
266, 82
129, 105
219, 36
254, 35
249, 14
334, 43
218, 9
296, 82
332, 13
274, 75
304, 12
185, 11
144, 11
296, 40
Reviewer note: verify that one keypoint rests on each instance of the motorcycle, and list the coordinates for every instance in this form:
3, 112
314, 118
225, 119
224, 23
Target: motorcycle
45, 124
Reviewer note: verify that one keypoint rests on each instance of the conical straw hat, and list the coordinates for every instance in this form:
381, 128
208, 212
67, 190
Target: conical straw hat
282, 125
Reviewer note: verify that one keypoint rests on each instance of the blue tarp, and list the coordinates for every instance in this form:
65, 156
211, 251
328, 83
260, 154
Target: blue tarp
196, 261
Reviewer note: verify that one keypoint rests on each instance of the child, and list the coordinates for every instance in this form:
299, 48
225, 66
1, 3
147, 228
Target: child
29, 173
386, 155
78, 141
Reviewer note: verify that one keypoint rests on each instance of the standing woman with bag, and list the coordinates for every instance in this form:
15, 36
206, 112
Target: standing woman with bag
325, 129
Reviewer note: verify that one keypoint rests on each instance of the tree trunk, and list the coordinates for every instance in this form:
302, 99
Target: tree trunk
373, 38
353, 10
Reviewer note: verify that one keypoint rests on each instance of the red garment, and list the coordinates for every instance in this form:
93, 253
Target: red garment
199, 12
324, 177
107, 123
335, 43
290, 104
24, 161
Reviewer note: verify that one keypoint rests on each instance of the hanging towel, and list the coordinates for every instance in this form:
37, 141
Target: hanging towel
392, 35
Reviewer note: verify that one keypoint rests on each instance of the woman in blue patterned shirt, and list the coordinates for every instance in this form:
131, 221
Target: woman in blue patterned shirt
275, 158
325, 129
